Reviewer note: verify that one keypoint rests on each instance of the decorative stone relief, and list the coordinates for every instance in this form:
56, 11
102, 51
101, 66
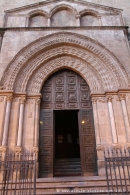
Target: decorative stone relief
52, 40
36, 80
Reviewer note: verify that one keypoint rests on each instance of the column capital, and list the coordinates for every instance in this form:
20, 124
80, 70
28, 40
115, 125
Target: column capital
94, 100
100, 148
37, 101
9, 98
122, 96
35, 150
22, 100
109, 98
116, 146
77, 16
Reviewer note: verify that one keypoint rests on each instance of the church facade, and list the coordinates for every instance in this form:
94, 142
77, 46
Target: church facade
65, 83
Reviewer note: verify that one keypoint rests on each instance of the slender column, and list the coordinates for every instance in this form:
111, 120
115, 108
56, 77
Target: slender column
6, 122
122, 97
36, 130
1, 38
48, 22
78, 20
96, 121
112, 119
100, 19
21, 117
27, 21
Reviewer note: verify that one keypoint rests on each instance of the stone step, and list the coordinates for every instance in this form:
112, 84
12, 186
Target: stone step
67, 160
71, 185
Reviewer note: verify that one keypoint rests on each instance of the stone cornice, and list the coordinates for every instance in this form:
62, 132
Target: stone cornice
6, 92
81, 2
34, 96
64, 28
111, 93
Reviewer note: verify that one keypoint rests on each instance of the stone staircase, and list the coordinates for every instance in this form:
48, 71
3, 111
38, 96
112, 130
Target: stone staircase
93, 185
68, 167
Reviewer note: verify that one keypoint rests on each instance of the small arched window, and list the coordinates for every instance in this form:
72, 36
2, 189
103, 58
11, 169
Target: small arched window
38, 21
64, 17
89, 20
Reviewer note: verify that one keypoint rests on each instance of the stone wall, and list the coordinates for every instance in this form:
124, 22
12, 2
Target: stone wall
121, 4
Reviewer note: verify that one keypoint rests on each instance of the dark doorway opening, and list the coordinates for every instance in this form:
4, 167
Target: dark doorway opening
67, 148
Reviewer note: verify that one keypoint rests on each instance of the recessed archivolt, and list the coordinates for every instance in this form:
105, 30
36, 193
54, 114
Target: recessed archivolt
106, 76
89, 12
62, 7
37, 12
42, 45
85, 70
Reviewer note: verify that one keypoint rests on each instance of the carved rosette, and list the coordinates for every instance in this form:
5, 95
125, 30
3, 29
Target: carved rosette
109, 98
9, 98
22, 100
122, 96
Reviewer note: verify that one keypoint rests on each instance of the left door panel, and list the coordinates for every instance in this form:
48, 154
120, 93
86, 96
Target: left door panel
46, 143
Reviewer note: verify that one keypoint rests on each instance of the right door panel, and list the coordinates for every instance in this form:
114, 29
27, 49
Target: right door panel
87, 143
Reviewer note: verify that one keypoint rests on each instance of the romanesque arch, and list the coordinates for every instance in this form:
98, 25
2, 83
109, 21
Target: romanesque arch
84, 53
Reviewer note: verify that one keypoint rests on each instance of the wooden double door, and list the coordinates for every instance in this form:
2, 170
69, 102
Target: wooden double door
66, 123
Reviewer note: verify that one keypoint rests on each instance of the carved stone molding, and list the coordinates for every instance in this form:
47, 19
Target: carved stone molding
109, 98
122, 96
95, 48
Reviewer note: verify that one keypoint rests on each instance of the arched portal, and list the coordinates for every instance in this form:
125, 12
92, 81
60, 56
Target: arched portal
67, 138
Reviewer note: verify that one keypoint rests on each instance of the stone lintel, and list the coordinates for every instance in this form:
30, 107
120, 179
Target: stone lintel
34, 96
6, 92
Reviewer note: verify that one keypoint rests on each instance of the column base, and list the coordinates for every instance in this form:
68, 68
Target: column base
18, 149
3, 149
116, 146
